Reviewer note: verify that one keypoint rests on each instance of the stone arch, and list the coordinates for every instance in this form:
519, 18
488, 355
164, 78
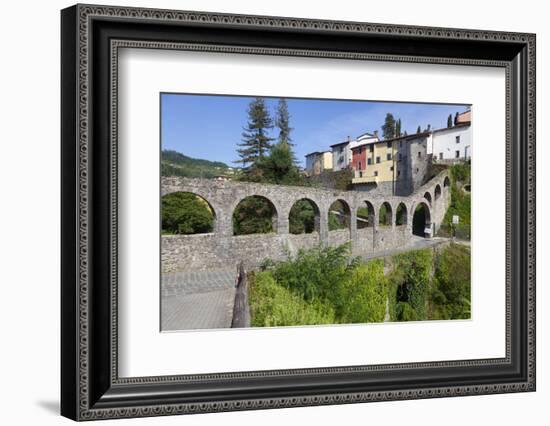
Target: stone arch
254, 214
304, 217
437, 192
401, 218
428, 197
186, 212
422, 219
339, 215
446, 182
365, 215
385, 214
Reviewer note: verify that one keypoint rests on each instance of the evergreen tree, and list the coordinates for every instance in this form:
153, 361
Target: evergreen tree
283, 122
418, 129
456, 118
450, 121
255, 138
388, 128
398, 128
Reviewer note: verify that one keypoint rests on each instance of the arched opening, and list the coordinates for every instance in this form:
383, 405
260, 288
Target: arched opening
186, 213
422, 221
384, 214
304, 217
401, 215
254, 215
428, 197
339, 216
437, 192
365, 215
446, 182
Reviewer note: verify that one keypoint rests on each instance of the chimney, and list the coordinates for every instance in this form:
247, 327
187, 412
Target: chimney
376, 133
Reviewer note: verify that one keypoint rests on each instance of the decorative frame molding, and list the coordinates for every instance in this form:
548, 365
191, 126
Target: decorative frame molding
91, 37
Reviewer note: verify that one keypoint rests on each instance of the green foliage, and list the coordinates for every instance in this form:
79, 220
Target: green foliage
460, 204
273, 305
334, 286
255, 139
185, 213
302, 217
282, 121
384, 217
388, 128
253, 215
364, 295
174, 163
450, 121
418, 129
450, 297
315, 273
279, 167
410, 284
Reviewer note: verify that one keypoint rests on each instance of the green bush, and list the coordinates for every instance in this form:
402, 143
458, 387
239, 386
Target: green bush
451, 292
185, 213
365, 294
410, 284
273, 305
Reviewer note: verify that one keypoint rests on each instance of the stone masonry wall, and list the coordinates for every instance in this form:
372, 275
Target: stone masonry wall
221, 248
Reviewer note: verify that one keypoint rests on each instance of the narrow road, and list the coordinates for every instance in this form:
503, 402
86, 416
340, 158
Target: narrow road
197, 299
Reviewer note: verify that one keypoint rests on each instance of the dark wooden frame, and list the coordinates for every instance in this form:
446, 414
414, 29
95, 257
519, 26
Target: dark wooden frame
90, 386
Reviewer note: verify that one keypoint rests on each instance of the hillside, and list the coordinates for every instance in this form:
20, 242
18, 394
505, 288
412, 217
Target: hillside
174, 163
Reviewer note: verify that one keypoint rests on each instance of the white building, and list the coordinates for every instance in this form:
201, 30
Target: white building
451, 144
341, 152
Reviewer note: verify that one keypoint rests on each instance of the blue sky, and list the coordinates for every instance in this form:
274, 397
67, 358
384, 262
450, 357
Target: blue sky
210, 126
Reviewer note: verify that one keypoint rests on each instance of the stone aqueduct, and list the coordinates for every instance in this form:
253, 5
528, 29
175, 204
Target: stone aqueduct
221, 248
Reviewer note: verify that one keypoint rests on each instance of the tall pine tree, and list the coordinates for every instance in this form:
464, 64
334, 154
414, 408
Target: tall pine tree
282, 121
398, 128
450, 121
418, 129
256, 142
388, 128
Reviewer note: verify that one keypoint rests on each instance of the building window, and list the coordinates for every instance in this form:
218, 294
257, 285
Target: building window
441, 156
359, 165
419, 154
376, 173
369, 161
372, 148
457, 154
398, 173
388, 157
391, 169
378, 159
417, 170
458, 139
389, 144
360, 174
360, 149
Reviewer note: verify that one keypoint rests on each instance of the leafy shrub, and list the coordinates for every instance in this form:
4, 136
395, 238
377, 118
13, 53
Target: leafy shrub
186, 213
410, 284
450, 297
365, 294
273, 305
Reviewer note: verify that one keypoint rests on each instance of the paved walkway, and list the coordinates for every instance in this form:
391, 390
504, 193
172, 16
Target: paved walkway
197, 299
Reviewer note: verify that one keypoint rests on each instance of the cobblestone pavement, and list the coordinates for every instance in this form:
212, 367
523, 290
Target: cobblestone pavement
197, 299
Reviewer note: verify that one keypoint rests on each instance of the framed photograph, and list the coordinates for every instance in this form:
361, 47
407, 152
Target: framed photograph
263, 212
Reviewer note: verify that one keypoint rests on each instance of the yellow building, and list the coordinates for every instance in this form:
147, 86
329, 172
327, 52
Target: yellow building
317, 162
373, 162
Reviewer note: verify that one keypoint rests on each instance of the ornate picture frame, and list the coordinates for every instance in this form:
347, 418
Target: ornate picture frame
91, 386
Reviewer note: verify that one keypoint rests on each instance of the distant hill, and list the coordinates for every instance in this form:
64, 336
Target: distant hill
174, 163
